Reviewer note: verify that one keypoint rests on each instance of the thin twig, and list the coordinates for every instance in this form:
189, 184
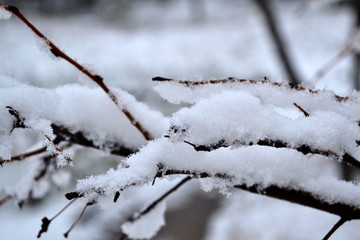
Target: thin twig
335, 227
28, 154
301, 109
157, 201
46, 222
5, 199
245, 81
330, 65
94, 77
77, 220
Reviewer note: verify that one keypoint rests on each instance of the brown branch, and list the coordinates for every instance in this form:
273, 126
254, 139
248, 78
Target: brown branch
245, 81
66, 234
65, 135
94, 77
78, 137
335, 227
301, 109
5, 199
28, 154
46, 222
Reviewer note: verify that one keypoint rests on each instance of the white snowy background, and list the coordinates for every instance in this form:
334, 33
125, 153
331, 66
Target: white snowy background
160, 40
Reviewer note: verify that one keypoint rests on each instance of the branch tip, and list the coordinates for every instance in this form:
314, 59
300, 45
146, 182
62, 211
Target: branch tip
44, 226
72, 195
12, 9
161, 79
116, 197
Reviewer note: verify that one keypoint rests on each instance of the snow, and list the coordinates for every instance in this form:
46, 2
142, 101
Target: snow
16, 179
237, 116
148, 225
229, 43
264, 166
79, 108
246, 216
4, 14
61, 178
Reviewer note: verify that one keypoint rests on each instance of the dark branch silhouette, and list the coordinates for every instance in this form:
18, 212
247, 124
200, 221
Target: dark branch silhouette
268, 12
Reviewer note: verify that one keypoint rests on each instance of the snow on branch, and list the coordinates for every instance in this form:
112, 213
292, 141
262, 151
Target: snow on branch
250, 135
64, 112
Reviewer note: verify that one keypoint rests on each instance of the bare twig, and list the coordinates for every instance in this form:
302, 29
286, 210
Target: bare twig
5, 199
46, 222
157, 201
160, 199
66, 234
335, 227
244, 81
301, 109
28, 154
330, 65
94, 77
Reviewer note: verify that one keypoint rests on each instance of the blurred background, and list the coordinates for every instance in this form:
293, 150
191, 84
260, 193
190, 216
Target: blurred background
129, 42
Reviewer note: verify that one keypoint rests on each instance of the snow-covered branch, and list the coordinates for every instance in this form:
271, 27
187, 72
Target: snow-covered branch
270, 138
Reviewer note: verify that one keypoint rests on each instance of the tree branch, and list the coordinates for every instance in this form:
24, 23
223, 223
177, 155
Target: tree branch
335, 227
291, 195
157, 201
94, 77
79, 138
304, 149
268, 12
245, 81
